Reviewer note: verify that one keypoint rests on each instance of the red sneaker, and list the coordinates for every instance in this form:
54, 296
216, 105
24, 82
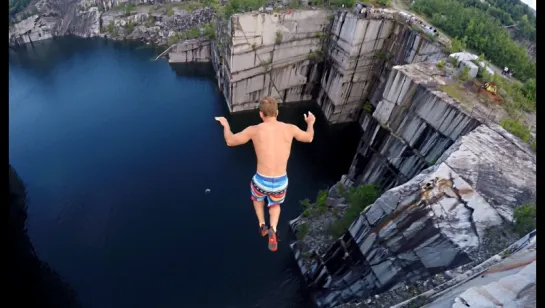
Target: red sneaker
263, 230
273, 244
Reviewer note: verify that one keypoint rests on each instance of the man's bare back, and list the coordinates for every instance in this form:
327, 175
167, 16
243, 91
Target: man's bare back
272, 144
272, 141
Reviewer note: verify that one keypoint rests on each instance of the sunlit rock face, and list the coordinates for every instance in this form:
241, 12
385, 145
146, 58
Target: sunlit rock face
436, 221
149, 22
361, 52
190, 51
411, 127
262, 54
340, 59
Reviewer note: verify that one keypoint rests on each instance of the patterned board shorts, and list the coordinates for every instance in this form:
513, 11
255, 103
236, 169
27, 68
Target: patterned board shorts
274, 189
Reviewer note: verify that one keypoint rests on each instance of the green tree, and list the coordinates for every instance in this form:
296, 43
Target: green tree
483, 33
16, 6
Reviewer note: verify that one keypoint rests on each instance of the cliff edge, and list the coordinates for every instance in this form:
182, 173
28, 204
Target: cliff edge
452, 179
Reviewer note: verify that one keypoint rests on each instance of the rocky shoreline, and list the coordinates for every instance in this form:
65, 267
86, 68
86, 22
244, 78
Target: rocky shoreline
162, 23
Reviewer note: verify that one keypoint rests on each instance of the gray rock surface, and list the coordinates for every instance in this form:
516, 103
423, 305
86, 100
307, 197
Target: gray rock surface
362, 50
150, 21
311, 54
411, 127
439, 220
195, 50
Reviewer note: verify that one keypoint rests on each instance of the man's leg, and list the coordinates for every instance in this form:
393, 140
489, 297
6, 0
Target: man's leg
275, 200
260, 213
274, 215
258, 198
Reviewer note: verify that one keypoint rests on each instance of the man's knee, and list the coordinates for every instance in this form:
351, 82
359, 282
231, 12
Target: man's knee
258, 201
274, 206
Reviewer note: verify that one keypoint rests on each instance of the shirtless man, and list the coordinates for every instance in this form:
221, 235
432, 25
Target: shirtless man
272, 143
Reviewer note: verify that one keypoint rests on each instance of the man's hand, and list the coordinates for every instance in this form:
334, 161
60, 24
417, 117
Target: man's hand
222, 120
310, 118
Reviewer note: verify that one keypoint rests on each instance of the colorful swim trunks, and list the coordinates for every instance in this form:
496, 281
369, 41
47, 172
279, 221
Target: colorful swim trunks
272, 188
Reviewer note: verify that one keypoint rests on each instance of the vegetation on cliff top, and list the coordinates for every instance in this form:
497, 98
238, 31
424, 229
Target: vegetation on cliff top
519, 100
357, 199
479, 31
16, 6
509, 13
525, 218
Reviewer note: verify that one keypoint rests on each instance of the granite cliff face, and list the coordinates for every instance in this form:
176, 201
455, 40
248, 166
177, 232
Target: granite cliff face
412, 125
154, 21
361, 50
440, 219
451, 178
340, 59
261, 54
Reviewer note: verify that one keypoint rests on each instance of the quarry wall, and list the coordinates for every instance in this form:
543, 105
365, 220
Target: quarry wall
339, 59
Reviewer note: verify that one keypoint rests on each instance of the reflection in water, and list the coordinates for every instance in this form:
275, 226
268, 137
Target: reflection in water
203, 70
32, 282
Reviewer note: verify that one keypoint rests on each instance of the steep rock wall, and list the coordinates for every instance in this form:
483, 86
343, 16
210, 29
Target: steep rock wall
342, 62
361, 51
268, 55
411, 127
437, 221
150, 21
195, 50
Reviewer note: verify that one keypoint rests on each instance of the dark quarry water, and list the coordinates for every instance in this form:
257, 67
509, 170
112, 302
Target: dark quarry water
117, 151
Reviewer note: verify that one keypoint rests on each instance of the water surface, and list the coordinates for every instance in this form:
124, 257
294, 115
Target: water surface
117, 152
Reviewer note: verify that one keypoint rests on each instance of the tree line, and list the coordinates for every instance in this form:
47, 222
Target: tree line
509, 13
478, 31
16, 6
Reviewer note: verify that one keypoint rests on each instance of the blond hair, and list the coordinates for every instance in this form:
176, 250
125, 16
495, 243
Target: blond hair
268, 106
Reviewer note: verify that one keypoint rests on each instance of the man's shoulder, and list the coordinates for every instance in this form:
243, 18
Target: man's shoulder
284, 124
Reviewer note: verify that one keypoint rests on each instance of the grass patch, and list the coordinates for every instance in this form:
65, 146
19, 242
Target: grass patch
317, 208
150, 22
130, 27
279, 37
302, 231
210, 30
111, 29
417, 28
525, 219
516, 128
316, 56
127, 8
431, 36
173, 40
453, 90
358, 199
321, 35
266, 63
368, 107
464, 73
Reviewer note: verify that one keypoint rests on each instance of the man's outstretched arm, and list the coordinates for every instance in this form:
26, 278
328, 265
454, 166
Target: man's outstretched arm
238, 138
308, 135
